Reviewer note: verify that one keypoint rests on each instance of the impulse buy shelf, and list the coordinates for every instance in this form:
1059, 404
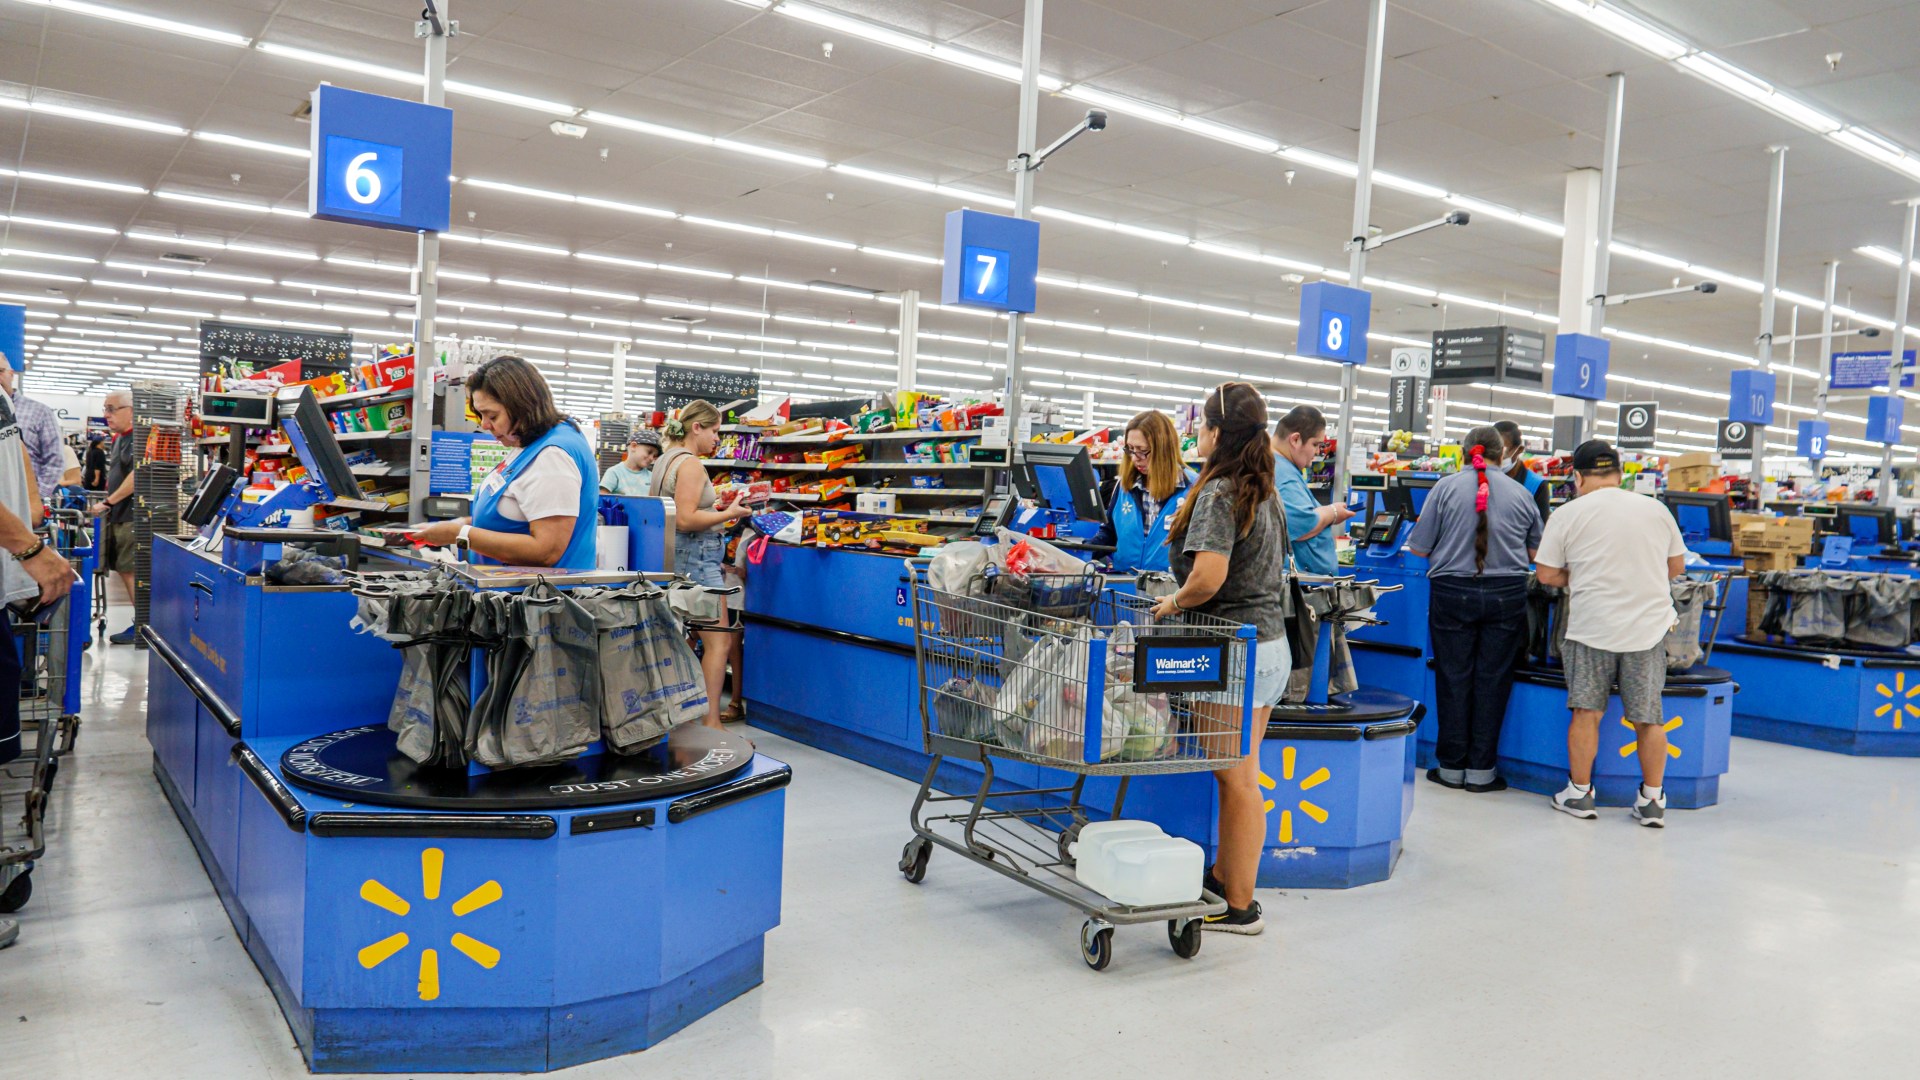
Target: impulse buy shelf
886, 461
389, 445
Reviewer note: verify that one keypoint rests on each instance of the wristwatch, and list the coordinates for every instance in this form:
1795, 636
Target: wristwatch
462, 538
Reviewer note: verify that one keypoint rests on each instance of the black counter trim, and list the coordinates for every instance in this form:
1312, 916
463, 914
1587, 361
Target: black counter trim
1558, 681
1316, 732
701, 802
157, 646
1393, 730
1783, 652
1386, 647
277, 794
436, 826
831, 635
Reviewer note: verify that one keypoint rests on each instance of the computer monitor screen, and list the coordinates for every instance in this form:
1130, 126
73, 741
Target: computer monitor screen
1701, 516
1060, 477
306, 427
211, 496
1867, 524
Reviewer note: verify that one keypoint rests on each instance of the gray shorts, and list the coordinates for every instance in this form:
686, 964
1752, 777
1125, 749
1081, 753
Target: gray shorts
1594, 674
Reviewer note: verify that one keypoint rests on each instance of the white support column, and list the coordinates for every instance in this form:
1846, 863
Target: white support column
1902, 292
1086, 409
1603, 232
620, 349
1024, 148
427, 287
1826, 341
908, 354
1579, 279
1770, 280
1362, 213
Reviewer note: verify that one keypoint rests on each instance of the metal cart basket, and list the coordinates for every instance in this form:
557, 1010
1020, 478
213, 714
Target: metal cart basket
1112, 693
26, 781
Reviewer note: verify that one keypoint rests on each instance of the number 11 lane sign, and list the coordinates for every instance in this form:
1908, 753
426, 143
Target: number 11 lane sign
380, 161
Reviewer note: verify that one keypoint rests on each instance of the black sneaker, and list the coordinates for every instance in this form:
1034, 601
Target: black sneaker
1498, 783
1209, 883
1244, 920
1447, 778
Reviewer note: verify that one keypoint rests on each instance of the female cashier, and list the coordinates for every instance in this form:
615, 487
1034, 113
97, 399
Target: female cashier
540, 507
1152, 485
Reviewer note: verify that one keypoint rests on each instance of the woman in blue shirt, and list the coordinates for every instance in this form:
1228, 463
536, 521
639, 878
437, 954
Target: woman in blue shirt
1298, 439
1478, 530
1153, 483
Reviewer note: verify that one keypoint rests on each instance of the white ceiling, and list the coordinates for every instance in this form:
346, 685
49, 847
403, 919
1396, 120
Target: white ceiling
1494, 99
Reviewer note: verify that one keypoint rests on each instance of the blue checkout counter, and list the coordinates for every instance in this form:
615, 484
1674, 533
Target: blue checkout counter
414, 920
1698, 704
830, 663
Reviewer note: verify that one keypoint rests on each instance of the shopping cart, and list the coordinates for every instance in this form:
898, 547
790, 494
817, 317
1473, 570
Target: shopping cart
1003, 682
70, 531
26, 782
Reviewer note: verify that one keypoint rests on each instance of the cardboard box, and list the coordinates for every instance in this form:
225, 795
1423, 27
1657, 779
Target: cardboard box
1757, 533
1698, 459
1770, 559
1690, 477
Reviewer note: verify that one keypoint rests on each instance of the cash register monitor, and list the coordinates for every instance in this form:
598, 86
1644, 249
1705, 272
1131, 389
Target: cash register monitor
1407, 494
1060, 478
300, 416
211, 496
1868, 524
1701, 516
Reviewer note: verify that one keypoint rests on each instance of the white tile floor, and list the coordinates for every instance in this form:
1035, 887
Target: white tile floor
1773, 935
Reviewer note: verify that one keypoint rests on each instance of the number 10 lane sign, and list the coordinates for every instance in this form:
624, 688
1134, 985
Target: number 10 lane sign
380, 161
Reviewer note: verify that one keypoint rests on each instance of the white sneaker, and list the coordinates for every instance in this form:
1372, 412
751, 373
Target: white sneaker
1580, 806
1650, 812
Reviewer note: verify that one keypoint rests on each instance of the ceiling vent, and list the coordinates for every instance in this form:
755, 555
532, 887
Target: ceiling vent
181, 258
684, 320
842, 286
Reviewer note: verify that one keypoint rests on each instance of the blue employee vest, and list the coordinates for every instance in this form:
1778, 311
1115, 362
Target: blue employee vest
486, 503
1533, 481
1139, 545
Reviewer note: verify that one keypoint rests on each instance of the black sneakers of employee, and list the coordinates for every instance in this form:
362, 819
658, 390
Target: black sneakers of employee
1244, 920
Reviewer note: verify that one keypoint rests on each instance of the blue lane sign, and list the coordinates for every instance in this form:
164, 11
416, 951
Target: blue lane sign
1180, 664
1750, 397
1580, 366
1334, 320
380, 161
1884, 417
1868, 370
991, 261
1813, 439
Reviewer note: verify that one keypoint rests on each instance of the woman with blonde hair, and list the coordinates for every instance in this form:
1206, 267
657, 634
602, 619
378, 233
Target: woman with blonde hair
699, 541
1153, 483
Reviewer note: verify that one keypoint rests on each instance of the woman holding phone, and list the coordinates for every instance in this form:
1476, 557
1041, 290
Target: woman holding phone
699, 540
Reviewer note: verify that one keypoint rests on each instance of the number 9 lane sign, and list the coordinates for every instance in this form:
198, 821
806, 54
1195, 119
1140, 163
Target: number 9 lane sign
380, 161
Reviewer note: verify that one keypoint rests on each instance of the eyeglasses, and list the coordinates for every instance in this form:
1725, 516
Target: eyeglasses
1139, 451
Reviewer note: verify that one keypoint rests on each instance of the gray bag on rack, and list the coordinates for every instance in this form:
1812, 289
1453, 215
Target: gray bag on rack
650, 681
1817, 605
426, 620
1882, 613
542, 701
1690, 599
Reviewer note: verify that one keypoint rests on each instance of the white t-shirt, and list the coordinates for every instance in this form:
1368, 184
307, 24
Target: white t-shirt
548, 487
1614, 545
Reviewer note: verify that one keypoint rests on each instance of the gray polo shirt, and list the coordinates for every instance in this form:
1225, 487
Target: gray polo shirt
1448, 522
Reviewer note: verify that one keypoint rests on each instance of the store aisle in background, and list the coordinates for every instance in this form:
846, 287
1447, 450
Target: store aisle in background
1714, 948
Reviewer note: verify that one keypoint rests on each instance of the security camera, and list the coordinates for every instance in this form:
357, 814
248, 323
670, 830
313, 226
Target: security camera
1096, 120
1459, 217
1706, 287
1869, 331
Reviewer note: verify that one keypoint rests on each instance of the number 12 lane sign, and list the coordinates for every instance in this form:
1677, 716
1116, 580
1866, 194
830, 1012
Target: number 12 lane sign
380, 161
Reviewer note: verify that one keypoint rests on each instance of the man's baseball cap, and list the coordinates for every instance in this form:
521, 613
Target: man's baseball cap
645, 437
1596, 455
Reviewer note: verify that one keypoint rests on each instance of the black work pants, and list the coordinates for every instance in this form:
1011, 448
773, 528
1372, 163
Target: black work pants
1478, 626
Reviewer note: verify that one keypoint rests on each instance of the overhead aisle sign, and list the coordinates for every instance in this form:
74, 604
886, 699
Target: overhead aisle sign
1639, 421
1735, 440
1750, 397
991, 261
380, 161
1409, 386
1813, 439
1884, 417
1334, 320
1868, 370
1580, 366
1502, 354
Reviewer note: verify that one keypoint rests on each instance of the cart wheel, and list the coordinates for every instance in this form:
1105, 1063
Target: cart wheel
1068, 837
17, 893
1096, 945
1184, 934
913, 860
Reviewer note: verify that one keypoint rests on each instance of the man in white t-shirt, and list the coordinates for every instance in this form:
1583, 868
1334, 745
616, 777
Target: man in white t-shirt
1617, 553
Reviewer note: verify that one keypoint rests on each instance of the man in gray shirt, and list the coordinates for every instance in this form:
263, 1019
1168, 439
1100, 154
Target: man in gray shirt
1478, 530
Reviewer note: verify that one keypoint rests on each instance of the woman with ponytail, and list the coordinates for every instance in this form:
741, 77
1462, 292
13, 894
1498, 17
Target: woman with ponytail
699, 539
1228, 548
1478, 530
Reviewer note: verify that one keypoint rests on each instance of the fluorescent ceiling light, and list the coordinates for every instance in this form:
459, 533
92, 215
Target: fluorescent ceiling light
73, 181
1623, 26
1503, 213
21, 253
378, 71
95, 116
228, 204
253, 144
505, 97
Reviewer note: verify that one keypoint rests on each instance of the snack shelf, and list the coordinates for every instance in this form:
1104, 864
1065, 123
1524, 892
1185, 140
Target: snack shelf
974, 492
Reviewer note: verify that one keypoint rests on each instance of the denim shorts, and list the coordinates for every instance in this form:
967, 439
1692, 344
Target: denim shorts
1272, 665
698, 556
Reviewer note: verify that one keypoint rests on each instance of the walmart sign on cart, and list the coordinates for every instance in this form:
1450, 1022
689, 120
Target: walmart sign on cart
1180, 664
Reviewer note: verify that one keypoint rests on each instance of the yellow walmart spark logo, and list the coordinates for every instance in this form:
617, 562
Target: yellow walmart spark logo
431, 862
1633, 745
1899, 700
1288, 757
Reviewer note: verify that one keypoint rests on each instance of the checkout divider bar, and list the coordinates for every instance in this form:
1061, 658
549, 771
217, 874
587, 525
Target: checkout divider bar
702, 802
277, 794
223, 715
435, 826
824, 632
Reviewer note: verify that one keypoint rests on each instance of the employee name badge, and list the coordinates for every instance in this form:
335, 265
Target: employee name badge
494, 482
1178, 665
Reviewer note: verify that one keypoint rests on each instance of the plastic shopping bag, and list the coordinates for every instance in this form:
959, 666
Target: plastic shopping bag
650, 681
1140, 724
542, 703
955, 565
963, 709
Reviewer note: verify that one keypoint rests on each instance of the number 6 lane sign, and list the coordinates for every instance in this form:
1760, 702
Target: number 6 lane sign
380, 161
